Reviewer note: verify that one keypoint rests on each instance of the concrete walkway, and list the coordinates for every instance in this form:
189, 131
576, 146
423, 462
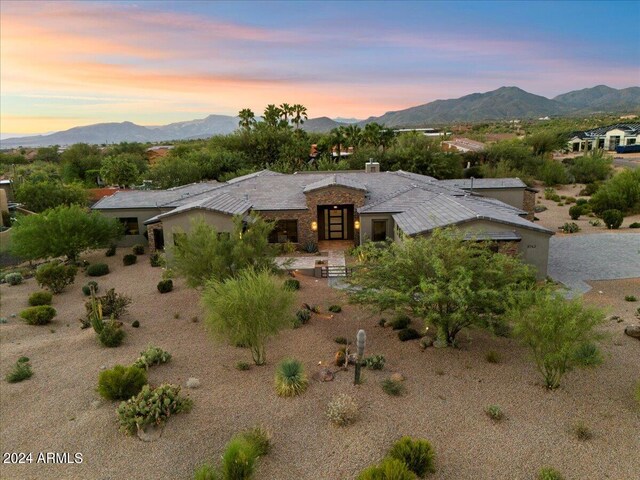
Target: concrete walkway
602, 256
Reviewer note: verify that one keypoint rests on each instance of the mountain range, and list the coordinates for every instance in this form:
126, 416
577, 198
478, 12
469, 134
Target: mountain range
505, 103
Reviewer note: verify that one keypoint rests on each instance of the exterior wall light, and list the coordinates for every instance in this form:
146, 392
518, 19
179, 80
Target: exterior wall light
314, 226
357, 224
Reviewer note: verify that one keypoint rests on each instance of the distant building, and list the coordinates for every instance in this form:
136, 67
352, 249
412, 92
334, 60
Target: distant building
427, 132
605, 138
462, 145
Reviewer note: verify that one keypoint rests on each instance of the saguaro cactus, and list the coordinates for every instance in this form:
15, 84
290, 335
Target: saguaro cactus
361, 339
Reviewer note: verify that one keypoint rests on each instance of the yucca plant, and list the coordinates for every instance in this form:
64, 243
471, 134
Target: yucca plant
290, 378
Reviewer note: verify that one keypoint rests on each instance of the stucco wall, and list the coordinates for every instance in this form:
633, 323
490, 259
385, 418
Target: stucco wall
510, 196
366, 225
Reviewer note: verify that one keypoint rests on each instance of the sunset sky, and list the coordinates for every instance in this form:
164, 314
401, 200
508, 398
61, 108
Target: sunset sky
64, 64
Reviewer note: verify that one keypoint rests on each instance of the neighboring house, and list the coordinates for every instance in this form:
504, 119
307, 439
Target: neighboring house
462, 145
605, 138
337, 206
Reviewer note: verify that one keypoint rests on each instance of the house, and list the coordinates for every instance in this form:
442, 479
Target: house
355, 206
462, 145
605, 138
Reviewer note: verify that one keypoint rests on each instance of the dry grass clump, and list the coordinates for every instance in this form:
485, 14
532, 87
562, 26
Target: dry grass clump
342, 410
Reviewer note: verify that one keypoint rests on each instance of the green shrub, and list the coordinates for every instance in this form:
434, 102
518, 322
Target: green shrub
206, 472
375, 362
242, 366
111, 335
388, 469
393, 388
40, 298
40, 315
342, 410
156, 260
630, 298
98, 269
165, 286
310, 247
303, 316
86, 289
553, 173
494, 412
594, 223
151, 406
138, 249
493, 356
548, 473
152, 356
570, 228
635, 225
335, 308
589, 189
21, 371
113, 304
570, 200
55, 276
291, 284
121, 383
587, 355
135, 324
550, 194
408, 334
290, 378
382, 322
575, 212
129, 259
612, 219
341, 340
111, 251
238, 460
400, 322
581, 431
14, 278
416, 454
259, 438
622, 192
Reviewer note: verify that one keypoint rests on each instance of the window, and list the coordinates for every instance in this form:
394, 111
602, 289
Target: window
378, 230
130, 225
631, 141
284, 231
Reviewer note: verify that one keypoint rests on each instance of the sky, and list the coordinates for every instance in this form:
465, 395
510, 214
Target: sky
65, 64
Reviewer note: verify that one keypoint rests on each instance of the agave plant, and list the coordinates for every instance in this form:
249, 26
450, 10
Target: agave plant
290, 378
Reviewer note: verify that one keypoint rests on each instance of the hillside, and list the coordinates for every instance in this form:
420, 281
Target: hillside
602, 98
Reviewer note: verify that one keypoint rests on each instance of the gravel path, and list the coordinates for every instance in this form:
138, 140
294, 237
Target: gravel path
603, 256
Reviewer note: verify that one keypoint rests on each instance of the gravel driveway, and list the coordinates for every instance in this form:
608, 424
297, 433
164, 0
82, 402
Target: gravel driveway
602, 256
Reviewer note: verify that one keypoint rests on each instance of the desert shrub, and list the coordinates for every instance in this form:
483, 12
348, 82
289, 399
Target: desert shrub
630, 298
382, 322
151, 406
575, 212
417, 454
594, 223
622, 192
612, 219
121, 383
14, 278
570, 200
113, 304
548, 473
259, 438
400, 322
135, 324
581, 431
303, 316
20, 371
290, 378
292, 284
98, 269
310, 247
238, 460
111, 335
590, 168
582, 201
553, 173
86, 289
165, 286
206, 472
408, 334
156, 260
55, 276
570, 228
494, 412
111, 251
493, 356
550, 194
341, 340
388, 469
335, 308
375, 362
587, 355
393, 387
40, 315
138, 249
342, 410
242, 366
129, 259
152, 356
40, 298
635, 225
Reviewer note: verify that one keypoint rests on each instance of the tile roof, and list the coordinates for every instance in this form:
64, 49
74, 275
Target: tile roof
154, 198
223, 203
481, 183
335, 180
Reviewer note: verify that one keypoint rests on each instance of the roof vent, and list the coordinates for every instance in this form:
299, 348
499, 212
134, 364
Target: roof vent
371, 166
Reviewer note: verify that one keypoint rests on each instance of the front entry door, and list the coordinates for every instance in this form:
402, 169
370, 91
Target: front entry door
335, 222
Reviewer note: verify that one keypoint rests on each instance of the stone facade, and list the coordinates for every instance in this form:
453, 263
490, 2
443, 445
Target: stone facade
151, 230
528, 202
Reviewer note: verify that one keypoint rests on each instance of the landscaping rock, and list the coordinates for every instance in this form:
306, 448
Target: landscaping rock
397, 377
96, 404
324, 375
193, 382
426, 342
150, 433
633, 331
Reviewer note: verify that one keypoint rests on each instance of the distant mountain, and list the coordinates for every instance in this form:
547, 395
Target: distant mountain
320, 125
602, 98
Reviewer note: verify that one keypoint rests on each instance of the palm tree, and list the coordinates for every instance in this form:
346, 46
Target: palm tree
247, 118
337, 139
353, 135
300, 115
285, 111
372, 134
272, 115
387, 137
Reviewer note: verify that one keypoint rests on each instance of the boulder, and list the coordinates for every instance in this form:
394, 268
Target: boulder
633, 331
397, 377
426, 342
150, 433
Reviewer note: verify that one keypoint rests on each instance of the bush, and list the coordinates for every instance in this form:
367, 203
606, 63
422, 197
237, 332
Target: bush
40, 315
416, 454
111, 251
341, 340
40, 298
129, 259
581, 431
375, 362
590, 168
292, 284
113, 304
582, 201
86, 289
14, 278
151, 406
98, 269
587, 355
156, 260
135, 324
259, 438
55, 276
303, 316
342, 410
622, 192
238, 460
121, 383
553, 173
570, 200
335, 308
400, 322
548, 473
310, 247
570, 228
290, 378
630, 298
152, 356
138, 249
21, 371
612, 219
388, 469
206, 472
392, 387
493, 356
494, 412
165, 286
594, 223
111, 335
575, 212
408, 334
635, 225
242, 366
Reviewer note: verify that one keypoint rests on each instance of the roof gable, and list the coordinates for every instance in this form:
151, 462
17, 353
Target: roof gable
335, 180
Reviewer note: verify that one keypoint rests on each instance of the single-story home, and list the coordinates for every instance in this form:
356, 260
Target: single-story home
355, 206
605, 138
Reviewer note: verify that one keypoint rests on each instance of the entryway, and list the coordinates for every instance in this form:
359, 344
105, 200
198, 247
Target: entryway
335, 222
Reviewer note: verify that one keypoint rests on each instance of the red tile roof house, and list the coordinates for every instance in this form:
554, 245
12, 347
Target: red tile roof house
312, 207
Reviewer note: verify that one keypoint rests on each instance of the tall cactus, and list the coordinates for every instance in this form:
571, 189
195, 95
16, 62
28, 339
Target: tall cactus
361, 339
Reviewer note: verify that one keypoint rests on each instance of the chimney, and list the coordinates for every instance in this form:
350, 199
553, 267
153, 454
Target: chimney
371, 166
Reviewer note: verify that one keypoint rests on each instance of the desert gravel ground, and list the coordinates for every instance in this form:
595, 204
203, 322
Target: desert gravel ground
447, 391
